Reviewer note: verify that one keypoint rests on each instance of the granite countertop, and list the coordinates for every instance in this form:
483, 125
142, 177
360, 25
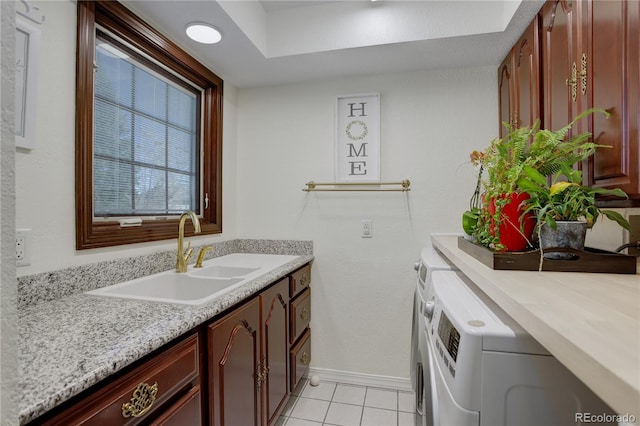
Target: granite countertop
69, 344
589, 321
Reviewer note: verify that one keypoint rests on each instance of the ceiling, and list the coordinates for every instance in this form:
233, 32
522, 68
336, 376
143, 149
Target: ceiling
281, 42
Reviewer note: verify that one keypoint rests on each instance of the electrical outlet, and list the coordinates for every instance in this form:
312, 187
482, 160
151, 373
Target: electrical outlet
23, 240
634, 234
367, 230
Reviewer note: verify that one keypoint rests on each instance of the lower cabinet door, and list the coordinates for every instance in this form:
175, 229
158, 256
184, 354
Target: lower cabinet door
235, 369
276, 348
300, 358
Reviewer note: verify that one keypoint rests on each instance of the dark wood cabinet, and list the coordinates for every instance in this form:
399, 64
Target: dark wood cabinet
300, 280
250, 370
235, 368
557, 45
588, 58
300, 358
252, 362
299, 322
162, 390
608, 55
300, 314
527, 69
506, 95
275, 331
185, 411
519, 81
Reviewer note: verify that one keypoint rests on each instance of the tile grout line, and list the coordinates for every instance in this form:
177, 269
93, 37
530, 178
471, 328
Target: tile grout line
362, 406
330, 401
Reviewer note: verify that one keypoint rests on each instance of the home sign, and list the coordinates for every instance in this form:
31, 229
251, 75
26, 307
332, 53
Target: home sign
358, 138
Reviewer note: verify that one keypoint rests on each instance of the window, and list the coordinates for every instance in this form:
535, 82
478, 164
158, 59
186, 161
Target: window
148, 132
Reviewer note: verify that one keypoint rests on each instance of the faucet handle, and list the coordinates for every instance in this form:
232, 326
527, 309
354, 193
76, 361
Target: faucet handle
187, 253
201, 254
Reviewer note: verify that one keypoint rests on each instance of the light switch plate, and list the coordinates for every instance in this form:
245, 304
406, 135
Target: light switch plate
367, 229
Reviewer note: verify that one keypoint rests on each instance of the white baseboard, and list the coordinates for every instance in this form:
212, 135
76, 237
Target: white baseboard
361, 379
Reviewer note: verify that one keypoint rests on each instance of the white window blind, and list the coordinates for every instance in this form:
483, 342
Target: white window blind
146, 138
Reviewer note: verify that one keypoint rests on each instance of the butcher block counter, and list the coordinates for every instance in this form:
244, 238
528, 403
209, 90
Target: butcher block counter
589, 321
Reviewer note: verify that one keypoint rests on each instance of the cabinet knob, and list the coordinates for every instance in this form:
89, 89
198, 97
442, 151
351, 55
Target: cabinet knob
304, 314
141, 401
305, 280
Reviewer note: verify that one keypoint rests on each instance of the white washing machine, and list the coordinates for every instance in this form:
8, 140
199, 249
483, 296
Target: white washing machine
420, 366
488, 371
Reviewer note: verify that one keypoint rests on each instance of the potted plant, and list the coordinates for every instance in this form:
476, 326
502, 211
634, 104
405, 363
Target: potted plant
501, 225
565, 209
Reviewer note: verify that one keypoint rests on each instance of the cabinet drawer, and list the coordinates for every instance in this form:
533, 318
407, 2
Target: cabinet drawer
149, 386
300, 358
300, 280
185, 411
300, 313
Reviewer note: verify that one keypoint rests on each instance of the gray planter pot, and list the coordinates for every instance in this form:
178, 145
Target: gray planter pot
569, 234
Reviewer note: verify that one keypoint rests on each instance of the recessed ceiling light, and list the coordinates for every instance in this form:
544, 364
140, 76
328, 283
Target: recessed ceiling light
203, 33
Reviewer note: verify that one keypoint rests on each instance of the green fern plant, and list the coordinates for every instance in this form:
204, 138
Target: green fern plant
566, 198
506, 159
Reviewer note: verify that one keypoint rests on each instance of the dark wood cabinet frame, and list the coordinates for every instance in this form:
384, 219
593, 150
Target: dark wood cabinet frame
123, 23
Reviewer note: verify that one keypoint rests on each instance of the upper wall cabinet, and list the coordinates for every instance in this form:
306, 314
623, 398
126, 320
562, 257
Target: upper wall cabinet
519, 81
608, 55
588, 58
558, 38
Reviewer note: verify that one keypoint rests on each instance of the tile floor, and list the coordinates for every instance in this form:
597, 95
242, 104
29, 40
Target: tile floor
340, 404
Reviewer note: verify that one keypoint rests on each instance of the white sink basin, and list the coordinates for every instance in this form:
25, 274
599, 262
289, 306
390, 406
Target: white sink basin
169, 287
218, 271
198, 285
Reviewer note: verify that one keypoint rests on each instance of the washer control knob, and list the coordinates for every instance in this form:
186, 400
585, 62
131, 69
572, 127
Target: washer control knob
416, 265
429, 306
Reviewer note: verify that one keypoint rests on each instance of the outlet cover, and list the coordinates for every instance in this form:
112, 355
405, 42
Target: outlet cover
23, 243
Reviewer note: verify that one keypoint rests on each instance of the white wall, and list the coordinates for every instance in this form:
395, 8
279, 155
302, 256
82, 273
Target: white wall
363, 288
45, 176
9, 394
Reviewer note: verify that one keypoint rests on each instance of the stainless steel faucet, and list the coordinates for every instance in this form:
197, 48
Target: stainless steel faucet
183, 256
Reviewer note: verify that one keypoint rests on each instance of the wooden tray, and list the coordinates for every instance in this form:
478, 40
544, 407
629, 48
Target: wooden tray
589, 260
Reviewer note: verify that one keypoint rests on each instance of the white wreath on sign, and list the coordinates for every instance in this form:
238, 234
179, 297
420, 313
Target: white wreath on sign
365, 130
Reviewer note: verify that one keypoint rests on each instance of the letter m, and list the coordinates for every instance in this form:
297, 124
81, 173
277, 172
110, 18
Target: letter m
362, 152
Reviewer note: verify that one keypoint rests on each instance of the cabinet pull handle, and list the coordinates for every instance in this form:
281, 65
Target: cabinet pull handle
304, 358
583, 74
573, 82
304, 314
263, 372
141, 401
260, 376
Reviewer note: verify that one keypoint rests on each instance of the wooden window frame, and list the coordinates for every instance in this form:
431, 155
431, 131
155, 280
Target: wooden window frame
117, 19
